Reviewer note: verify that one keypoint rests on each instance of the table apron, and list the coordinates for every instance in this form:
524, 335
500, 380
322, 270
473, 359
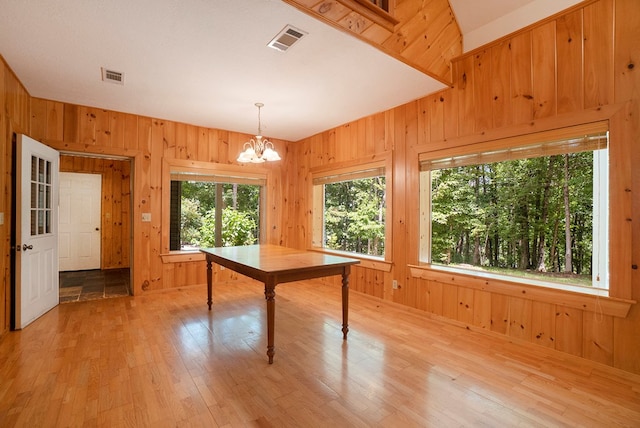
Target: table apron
310, 274
281, 277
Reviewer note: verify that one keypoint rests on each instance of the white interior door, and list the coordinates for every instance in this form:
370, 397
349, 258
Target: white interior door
79, 234
37, 230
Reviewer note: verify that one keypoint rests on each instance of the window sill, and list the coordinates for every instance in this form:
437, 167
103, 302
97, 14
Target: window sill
594, 300
369, 262
182, 256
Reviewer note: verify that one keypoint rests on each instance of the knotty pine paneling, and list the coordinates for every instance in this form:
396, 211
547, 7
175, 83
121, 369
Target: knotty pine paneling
464, 78
556, 70
519, 318
466, 305
426, 37
543, 326
543, 42
154, 206
627, 86
146, 142
482, 309
435, 290
598, 33
597, 337
569, 330
500, 312
450, 301
482, 91
522, 78
398, 249
569, 50
436, 108
422, 294
14, 117
501, 84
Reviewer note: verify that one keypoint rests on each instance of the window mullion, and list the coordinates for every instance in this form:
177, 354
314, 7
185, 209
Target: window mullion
219, 203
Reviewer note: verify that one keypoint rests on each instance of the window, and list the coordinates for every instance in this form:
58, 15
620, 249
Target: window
212, 210
349, 210
536, 213
41, 195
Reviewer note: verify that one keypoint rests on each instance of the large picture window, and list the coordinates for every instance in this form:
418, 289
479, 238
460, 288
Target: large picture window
214, 210
350, 210
536, 213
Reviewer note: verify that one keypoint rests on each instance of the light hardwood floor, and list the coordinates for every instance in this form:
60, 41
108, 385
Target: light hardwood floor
164, 360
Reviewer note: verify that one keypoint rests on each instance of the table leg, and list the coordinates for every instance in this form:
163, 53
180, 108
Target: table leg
209, 283
345, 302
270, 295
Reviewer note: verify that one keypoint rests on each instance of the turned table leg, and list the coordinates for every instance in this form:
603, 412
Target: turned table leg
345, 302
209, 285
270, 295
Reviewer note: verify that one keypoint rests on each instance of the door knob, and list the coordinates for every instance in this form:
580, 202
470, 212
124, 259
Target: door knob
26, 247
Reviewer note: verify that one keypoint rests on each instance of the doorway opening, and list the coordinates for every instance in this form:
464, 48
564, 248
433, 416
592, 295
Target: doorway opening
95, 254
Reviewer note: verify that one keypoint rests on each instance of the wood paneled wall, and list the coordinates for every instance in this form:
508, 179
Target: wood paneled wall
145, 143
14, 117
570, 69
423, 34
115, 205
577, 65
150, 143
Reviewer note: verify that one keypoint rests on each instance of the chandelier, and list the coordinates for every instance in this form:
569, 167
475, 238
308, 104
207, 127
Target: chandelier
258, 150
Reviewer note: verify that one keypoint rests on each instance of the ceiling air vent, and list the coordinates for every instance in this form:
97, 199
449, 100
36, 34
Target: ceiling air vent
286, 38
112, 76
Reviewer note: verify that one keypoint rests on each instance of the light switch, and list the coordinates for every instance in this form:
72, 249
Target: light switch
146, 216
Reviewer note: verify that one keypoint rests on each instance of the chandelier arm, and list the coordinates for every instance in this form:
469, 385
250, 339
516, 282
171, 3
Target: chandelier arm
258, 150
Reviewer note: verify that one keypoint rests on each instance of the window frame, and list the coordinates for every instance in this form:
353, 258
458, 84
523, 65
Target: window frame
349, 169
209, 170
504, 144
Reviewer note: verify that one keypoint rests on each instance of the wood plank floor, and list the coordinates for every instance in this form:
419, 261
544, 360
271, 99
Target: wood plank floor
163, 360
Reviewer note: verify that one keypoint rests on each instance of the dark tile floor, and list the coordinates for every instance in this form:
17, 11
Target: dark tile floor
78, 286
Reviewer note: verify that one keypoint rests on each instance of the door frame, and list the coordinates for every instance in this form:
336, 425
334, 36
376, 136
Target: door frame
132, 164
12, 246
131, 156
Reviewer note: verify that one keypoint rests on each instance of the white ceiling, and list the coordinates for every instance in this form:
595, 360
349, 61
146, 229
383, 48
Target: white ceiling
206, 62
482, 21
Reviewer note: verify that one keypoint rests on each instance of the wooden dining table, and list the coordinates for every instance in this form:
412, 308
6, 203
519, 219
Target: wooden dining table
273, 265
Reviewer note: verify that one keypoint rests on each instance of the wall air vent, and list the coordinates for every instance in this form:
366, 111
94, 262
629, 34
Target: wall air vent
112, 76
286, 38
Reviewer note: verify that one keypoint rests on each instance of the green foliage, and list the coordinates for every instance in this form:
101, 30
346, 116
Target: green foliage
240, 215
201, 192
190, 221
238, 229
354, 216
510, 214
